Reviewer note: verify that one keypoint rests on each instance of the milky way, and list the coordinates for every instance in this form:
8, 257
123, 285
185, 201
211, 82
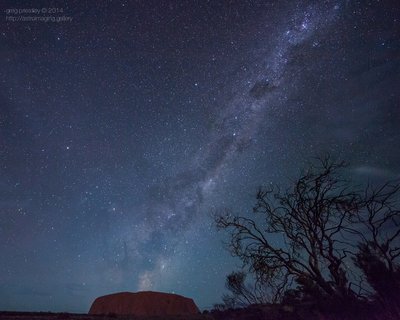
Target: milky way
124, 129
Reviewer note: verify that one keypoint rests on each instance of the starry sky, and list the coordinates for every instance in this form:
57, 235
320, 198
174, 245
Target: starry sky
124, 125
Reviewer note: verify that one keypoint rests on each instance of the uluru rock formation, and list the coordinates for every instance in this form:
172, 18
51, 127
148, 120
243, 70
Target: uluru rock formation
145, 303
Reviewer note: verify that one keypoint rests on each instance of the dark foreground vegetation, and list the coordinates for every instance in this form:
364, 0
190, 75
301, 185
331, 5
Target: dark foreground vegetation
325, 248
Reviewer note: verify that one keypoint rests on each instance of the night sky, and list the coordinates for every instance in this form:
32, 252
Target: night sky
122, 130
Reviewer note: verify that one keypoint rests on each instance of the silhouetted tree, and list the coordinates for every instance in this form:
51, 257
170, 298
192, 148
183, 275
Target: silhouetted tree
379, 250
385, 282
307, 236
382, 224
242, 293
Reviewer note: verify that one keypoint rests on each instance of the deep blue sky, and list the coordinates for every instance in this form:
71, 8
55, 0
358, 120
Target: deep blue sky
123, 129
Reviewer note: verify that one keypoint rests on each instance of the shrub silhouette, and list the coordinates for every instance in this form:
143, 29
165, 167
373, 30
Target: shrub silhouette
301, 243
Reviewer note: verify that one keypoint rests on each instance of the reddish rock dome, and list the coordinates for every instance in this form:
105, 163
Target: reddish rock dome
145, 303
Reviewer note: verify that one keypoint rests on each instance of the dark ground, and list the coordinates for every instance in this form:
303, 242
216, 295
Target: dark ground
75, 316
272, 312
